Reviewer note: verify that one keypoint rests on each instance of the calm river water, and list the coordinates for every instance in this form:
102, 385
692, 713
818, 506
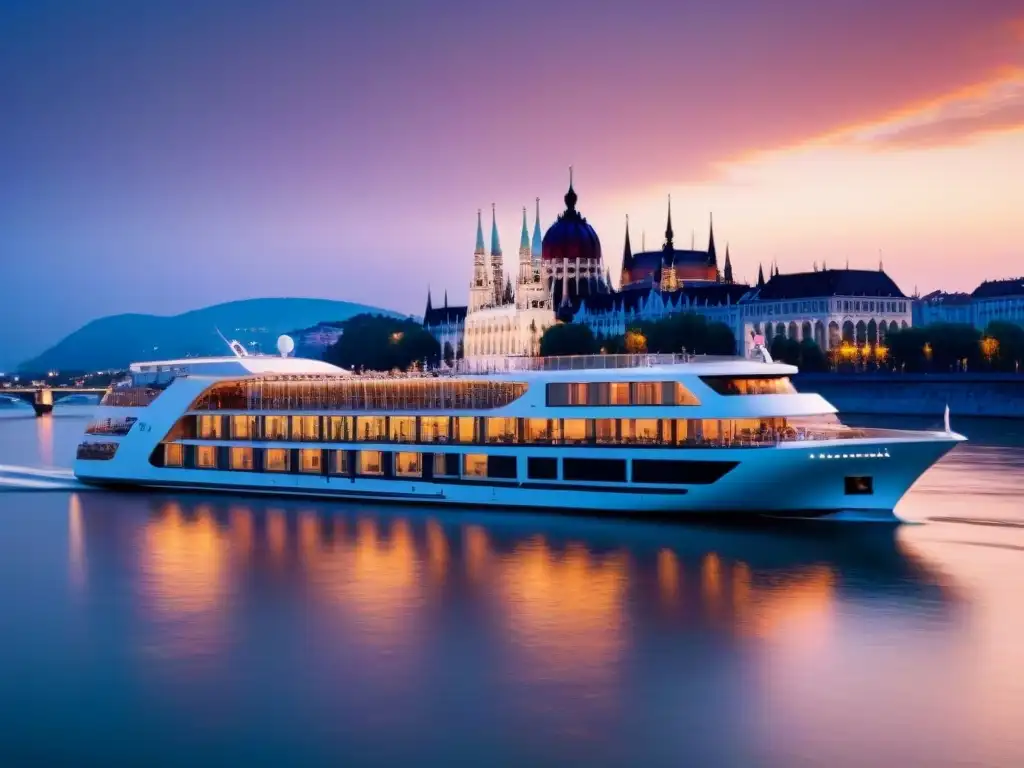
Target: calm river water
153, 629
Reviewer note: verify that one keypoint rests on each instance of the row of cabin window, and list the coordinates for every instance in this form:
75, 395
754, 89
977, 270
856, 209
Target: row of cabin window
446, 465
342, 462
596, 393
472, 429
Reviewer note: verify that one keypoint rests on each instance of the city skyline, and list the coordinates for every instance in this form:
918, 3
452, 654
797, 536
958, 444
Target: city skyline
165, 158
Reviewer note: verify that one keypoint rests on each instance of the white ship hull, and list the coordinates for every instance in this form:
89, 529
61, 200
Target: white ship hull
801, 478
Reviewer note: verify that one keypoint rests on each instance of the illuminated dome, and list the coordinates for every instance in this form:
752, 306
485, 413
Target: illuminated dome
570, 237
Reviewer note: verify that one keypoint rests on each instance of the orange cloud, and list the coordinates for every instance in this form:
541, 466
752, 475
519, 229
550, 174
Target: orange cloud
987, 107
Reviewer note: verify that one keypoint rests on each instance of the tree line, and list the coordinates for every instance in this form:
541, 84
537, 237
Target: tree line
687, 331
380, 343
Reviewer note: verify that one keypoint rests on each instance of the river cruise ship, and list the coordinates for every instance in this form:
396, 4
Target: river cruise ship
625, 434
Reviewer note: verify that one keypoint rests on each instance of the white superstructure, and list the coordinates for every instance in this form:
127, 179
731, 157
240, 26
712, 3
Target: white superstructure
643, 434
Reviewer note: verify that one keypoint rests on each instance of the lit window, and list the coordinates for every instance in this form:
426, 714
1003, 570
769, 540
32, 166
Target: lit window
242, 427
501, 430
574, 430
339, 428
241, 458
619, 393
210, 427
275, 460
540, 430
434, 429
174, 454
465, 429
206, 457
371, 463
402, 429
647, 393
604, 430
683, 431
474, 465
275, 427
408, 464
310, 460
370, 428
446, 465
305, 428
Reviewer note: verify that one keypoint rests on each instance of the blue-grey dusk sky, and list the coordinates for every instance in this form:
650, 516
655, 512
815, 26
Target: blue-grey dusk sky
161, 156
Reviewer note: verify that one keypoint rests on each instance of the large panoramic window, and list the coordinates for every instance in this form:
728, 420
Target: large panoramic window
339, 428
750, 385
501, 430
174, 454
371, 428
371, 463
601, 393
474, 465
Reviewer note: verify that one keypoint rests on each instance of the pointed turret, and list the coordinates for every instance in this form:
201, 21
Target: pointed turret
525, 262
495, 243
712, 255
479, 233
669, 234
537, 246
497, 267
728, 266
426, 313
446, 298
760, 276
627, 258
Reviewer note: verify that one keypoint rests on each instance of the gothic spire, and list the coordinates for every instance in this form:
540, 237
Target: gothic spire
495, 244
524, 237
627, 249
668, 227
479, 233
760, 276
570, 196
728, 265
429, 307
445, 298
538, 244
712, 256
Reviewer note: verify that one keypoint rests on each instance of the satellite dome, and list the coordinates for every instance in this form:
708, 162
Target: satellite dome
285, 345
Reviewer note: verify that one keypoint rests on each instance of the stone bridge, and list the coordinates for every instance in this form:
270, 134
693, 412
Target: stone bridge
42, 399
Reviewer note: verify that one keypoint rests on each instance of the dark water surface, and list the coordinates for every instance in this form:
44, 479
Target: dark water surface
153, 629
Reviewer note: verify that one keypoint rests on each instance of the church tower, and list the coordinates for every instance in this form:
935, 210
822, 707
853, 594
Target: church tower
627, 260
537, 246
727, 275
525, 261
712, 254
497, 266
481, 293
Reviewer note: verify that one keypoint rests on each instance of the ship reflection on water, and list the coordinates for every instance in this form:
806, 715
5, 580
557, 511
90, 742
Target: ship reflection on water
585, 634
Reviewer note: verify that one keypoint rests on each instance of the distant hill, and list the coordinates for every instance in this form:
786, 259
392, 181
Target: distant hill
116, 341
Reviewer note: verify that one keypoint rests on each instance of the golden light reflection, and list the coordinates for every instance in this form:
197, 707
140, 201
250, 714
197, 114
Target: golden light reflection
277, 536
668, 575
76, 542
376, 574
477, 552
184, 562
711, 579
44, 437
800, 604
437, 549
566, 610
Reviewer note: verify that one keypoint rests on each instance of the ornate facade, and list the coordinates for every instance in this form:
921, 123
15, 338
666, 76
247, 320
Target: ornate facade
562, 277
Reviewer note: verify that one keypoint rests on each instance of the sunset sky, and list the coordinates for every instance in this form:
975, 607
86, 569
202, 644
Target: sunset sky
161, 156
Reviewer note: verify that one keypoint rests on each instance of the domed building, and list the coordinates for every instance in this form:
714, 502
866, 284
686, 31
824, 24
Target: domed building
571, 261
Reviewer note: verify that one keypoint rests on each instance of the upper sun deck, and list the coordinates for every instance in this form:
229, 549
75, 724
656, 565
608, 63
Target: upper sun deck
230, 365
